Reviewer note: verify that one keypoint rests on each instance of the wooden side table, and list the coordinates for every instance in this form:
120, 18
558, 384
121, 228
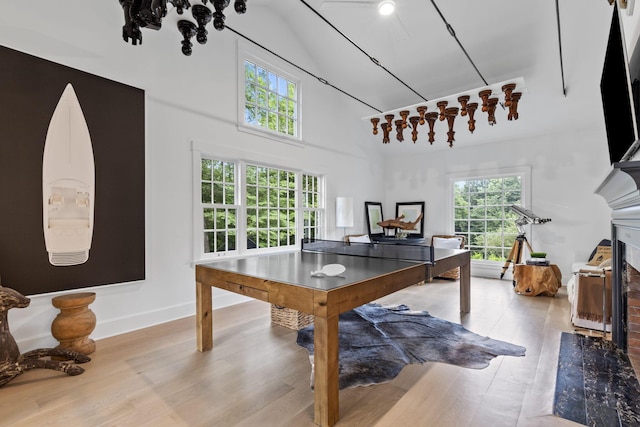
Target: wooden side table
533, 280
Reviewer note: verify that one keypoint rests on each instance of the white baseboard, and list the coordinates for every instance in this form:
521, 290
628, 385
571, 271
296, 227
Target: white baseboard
106, 328
491, 271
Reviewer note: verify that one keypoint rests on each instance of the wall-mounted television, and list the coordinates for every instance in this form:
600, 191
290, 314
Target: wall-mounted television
620, 89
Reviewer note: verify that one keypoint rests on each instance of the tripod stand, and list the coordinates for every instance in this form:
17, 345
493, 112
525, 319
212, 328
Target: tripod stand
515, 255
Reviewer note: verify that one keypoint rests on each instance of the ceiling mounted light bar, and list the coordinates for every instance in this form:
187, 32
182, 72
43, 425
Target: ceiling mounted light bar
564, 88
453, 34
448, 108
320, 79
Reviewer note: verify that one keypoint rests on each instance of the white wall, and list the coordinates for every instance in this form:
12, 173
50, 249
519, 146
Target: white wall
194, 99
187, 99
563, 178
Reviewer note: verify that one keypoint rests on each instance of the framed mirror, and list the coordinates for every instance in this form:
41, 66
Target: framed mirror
374, 216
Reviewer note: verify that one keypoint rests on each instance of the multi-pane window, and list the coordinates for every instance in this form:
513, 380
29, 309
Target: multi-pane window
271, 207
270, 101
311, 206
245, 207
219, 209
483, 214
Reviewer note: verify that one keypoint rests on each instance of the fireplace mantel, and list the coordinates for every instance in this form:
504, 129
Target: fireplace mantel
621, 190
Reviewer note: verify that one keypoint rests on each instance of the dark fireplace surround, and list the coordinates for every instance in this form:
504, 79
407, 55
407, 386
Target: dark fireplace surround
621, 191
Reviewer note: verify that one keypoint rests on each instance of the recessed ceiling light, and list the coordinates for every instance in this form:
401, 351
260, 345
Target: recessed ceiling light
386, 7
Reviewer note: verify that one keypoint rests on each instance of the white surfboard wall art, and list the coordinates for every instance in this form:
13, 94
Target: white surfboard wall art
68, 184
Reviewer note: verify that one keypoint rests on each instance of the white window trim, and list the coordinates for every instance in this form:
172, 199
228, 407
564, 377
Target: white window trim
321, 209
297, 190
198, 221
259, 57
199, 256
523, 171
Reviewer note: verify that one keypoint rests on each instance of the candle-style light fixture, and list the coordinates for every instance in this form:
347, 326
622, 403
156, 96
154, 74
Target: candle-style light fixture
485, 99
140, 14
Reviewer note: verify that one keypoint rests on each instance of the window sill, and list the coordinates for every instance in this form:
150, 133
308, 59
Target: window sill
296, 142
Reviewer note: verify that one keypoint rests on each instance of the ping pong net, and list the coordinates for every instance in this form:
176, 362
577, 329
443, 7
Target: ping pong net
405, 252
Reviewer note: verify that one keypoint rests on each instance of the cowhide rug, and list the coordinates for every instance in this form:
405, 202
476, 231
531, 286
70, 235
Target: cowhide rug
376, 342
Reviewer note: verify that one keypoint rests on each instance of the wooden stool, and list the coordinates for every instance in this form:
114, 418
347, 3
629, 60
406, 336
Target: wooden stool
75, 322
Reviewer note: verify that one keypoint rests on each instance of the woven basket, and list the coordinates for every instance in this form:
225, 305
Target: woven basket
292, 319
451, 274
455, 273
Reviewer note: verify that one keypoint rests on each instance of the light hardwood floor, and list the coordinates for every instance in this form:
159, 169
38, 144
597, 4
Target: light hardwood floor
256, 375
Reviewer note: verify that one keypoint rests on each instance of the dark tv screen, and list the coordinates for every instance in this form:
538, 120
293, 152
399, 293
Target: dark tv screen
619, 100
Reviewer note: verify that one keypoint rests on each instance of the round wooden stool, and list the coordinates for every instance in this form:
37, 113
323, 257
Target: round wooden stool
75, 322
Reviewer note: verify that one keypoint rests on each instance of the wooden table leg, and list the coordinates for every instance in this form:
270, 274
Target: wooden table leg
204, 318
325, 359
465, 285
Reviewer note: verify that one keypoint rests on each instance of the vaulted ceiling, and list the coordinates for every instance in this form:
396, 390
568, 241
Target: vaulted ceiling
504, 39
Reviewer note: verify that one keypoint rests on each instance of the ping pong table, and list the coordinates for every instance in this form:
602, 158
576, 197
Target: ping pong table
372, 270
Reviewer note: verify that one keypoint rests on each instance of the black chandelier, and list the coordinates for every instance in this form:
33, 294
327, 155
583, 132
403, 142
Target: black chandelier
140, 14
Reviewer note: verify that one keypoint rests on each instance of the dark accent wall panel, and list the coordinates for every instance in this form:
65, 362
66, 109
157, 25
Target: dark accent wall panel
30, 88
